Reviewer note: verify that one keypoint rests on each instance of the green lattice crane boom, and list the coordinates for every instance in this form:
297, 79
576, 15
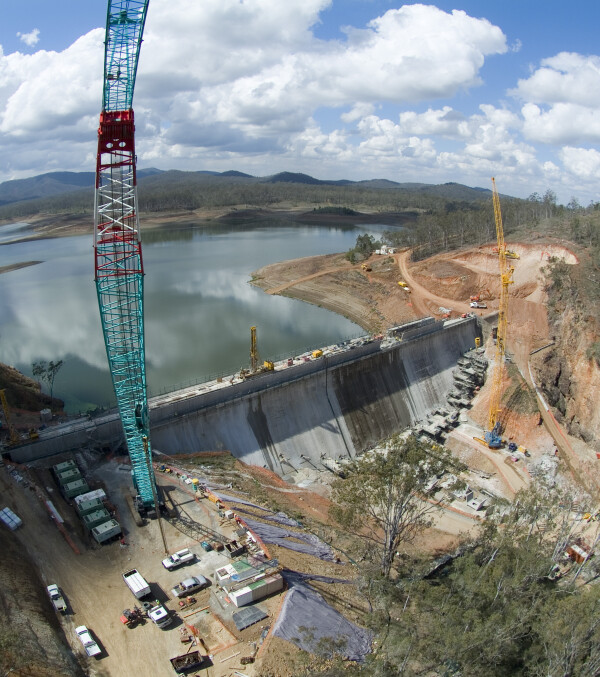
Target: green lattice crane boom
119, 270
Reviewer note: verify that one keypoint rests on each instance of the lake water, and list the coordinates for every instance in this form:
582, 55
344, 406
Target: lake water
199, 305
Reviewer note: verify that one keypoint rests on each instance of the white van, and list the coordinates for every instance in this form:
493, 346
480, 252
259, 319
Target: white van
136, 583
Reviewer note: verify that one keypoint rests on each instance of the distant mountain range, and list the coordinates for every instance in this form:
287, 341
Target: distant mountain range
59, 183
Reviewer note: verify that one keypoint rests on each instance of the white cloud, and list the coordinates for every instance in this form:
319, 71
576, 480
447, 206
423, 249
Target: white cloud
583, 162
360, 110
562, 98
564, 78
561, 123
30, 39
45, 92
445, 122
227, 84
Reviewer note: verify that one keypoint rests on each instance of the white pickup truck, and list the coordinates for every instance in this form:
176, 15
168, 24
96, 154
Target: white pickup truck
89, 644
56, 598
178, 558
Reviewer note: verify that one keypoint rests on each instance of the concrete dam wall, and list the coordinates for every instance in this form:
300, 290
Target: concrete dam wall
337, 411
334, 406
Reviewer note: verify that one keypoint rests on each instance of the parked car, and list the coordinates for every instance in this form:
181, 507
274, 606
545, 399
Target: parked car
89, 644
189, 586
56, 597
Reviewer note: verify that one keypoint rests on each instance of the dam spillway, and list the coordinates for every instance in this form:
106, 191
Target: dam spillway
335, 406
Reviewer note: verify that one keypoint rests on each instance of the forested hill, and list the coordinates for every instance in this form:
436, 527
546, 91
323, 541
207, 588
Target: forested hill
72, 192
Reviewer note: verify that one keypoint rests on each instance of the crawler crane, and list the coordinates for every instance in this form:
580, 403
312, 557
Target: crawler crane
119, 271
493, 437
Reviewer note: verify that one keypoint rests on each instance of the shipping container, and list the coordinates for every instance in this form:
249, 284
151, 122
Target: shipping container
74, 488
93, 519
68, 476
106, 531
65, 465
86, 507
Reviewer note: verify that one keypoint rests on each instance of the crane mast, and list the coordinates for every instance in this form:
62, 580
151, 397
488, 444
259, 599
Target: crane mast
119, 269
493, 436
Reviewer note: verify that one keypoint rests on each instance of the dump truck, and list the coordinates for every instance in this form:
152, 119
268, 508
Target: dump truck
178, 558
193, 660
56, 598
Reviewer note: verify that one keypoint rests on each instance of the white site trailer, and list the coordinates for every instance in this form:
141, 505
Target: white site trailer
136, 583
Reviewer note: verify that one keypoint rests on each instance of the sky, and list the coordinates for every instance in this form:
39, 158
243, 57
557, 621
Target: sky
339, 89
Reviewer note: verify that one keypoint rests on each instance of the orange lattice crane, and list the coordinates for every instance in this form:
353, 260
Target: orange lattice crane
493, 437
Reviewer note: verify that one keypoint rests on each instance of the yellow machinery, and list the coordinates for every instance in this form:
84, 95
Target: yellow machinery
403, 284
253, 350
13, 435
493, 437
267, 365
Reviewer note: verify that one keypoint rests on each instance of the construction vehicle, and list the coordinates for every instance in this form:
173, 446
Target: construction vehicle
118, 263
366, 267
403, 284
508, 253
133, 617
13, 436
267, 365
493, 435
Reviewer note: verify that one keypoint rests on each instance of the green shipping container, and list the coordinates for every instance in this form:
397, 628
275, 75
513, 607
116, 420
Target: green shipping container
68, 476
86, 507
65, 465
106, 530
95, 518
75, 488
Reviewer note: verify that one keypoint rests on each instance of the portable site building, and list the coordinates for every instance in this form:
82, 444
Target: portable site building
256, 590
73, 489
64, 466
68, 476
95, 518
87, 507
105, 531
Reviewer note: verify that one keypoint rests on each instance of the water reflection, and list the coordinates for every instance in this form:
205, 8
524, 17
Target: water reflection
199, 305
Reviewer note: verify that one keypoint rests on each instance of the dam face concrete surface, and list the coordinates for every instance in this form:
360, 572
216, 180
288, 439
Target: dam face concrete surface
334, 406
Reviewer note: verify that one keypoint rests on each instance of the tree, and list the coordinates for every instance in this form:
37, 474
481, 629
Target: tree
47, 371
387, 497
